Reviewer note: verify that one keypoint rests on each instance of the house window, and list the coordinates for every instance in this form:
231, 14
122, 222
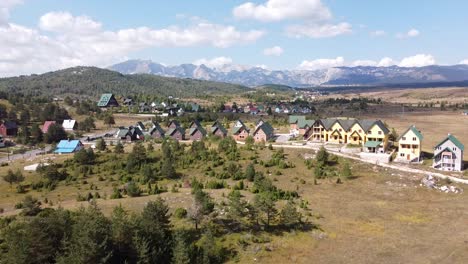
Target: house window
360, 131
380, 132
454, 149
403, 138
369, 132
339, 129
402, 154
414, 139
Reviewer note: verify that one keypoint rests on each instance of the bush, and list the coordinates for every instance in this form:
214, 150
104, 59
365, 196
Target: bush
180, 213
133, 190
214, 184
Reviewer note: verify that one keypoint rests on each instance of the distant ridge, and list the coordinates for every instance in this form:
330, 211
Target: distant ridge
92, 81
338, 76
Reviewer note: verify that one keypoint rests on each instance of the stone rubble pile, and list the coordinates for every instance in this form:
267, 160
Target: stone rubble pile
432, 182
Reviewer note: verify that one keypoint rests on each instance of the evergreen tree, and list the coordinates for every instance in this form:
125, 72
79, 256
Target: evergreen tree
237, 206
322, 156
109, 120
36, 134
289, 215
122, 235
265, 203
250, 172
90, 239
181, 250
154, 228
55, 133
346, 171
101, 144
119, 149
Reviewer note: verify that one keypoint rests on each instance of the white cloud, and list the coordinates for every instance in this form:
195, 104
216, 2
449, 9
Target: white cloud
5, 6
277, 10
419, 60
386, 62
364, 63
63, 22
214, 62
464, 62
79, 40
273, 51
318, 30
410, 34
321, 64
378, 33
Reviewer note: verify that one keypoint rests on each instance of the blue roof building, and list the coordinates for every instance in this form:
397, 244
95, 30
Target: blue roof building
68, 146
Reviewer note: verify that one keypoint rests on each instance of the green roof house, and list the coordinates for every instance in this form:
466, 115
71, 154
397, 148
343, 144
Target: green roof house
107, 100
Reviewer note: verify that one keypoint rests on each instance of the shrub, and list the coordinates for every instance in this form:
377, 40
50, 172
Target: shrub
180, 213
133, 190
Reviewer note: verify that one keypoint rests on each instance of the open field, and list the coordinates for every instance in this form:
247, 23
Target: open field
413, 96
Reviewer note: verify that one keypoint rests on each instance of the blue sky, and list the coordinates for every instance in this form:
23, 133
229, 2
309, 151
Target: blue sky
43, 35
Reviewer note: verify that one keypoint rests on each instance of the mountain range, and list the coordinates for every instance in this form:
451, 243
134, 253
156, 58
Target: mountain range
337, 76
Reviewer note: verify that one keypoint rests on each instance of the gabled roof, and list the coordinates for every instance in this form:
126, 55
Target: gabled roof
46, 126
382, 126
140, 125
195, 123
123, 132
217, 125
347, 124
69, 123
266, 128
238, 126
454, 141
10, 124
67, 146
294, 119
156, 128
415, 131
328, 122
175, 122
105, 98
195, 129
171, 131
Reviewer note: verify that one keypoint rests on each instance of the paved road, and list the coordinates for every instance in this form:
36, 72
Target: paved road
28, 154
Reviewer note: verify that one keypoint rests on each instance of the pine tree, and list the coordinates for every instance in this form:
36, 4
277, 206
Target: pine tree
101, 144
289, 215
265, 203
250, 172
181, 250
237, 206
119, 149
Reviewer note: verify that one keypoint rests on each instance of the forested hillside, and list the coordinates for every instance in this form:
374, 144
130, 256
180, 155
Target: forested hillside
91, 81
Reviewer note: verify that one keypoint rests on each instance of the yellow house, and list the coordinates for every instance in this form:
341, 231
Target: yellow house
409, 145
356, 134
371, 134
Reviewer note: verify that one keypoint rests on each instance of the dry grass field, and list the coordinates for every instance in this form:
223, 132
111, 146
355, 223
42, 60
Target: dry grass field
381, 216
414, 96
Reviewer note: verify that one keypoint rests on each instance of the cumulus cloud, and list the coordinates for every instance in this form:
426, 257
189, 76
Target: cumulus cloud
410, 34
277, 10
79, 40
364, 63
214, 62
378, 33
386, 62
273, 51
318, 30
321, 64
5, 6
419, 60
